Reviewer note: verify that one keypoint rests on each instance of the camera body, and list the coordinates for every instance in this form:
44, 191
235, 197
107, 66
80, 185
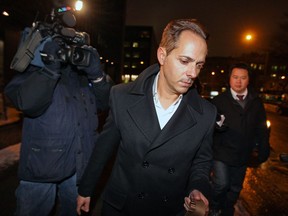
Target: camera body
70, 41
71, 49
60, 29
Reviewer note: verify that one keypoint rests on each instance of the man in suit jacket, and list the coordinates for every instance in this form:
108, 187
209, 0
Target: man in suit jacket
244, 126
163, 130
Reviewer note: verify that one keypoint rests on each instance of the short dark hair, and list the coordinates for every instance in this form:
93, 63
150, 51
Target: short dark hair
174, 28
242, 65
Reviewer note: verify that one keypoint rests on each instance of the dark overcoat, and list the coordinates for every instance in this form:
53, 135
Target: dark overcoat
244, 129
154, 169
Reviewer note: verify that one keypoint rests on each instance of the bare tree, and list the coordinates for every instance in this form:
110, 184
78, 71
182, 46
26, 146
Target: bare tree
279, 42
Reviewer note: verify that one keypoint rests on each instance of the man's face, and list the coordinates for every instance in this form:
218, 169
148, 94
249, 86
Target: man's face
183, 64
239, 80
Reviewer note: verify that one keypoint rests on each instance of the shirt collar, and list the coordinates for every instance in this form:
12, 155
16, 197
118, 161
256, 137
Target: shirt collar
235, 93
155, 92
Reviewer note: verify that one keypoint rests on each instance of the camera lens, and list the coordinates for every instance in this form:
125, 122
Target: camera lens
80, 56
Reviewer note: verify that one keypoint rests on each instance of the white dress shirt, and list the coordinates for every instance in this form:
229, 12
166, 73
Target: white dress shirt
163, 115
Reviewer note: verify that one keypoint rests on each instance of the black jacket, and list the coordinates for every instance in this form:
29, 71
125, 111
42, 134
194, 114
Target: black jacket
243, 129
154, 169
60, 122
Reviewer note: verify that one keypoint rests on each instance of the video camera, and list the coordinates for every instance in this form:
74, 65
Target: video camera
59, 29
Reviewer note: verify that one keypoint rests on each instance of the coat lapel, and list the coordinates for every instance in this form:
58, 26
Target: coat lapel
145, 119
144, 115
182, 120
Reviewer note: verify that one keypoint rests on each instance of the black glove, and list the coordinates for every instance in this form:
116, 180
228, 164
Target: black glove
45, 57
93, 70
49, 56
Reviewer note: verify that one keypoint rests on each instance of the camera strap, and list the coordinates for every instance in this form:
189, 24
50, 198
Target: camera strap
30, 40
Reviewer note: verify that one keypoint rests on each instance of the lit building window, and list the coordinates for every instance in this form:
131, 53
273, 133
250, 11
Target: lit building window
135, 44
136, 55
127, 55
145, 34
126, 65
212, 73
133, 77
126, 78
254, 66
134, 65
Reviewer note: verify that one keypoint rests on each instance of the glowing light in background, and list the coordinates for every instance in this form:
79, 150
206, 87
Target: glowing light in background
248, 37
5, 13
78, 5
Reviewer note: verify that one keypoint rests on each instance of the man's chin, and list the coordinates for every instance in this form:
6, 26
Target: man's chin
183, 89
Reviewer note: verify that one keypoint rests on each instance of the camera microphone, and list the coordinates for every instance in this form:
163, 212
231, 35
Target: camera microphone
69, 19
69, 32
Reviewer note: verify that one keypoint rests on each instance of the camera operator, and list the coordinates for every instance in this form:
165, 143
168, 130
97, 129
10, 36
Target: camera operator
59, 102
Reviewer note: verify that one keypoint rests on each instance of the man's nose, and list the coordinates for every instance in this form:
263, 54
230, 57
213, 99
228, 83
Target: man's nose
192, 71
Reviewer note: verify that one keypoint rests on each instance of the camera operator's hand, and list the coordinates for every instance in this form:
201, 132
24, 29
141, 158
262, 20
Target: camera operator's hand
93, 70
50, 57
45, 56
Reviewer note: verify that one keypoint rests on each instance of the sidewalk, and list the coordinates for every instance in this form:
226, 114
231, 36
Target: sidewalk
13, 116
10, 154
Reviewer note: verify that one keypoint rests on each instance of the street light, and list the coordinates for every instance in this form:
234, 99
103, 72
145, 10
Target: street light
248, 37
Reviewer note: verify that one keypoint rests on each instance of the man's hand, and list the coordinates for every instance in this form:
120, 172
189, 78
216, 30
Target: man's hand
195, 197
93, 70
83, 204
46, 57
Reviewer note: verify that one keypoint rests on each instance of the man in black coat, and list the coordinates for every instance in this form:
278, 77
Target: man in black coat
163, 130
241, 128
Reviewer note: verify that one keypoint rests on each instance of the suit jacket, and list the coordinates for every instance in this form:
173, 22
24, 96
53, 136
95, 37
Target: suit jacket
154, 169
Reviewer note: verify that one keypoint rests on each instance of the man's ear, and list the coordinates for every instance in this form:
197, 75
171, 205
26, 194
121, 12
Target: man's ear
161, 55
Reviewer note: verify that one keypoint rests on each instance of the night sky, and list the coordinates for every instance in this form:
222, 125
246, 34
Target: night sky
227, 21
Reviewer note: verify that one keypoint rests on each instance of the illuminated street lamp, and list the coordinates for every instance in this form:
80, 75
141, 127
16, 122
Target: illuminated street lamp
248, 37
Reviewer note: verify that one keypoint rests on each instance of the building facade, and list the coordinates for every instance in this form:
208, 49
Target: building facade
139, 51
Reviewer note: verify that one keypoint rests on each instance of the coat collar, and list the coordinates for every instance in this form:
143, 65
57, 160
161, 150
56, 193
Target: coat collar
144, 114
142, 85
